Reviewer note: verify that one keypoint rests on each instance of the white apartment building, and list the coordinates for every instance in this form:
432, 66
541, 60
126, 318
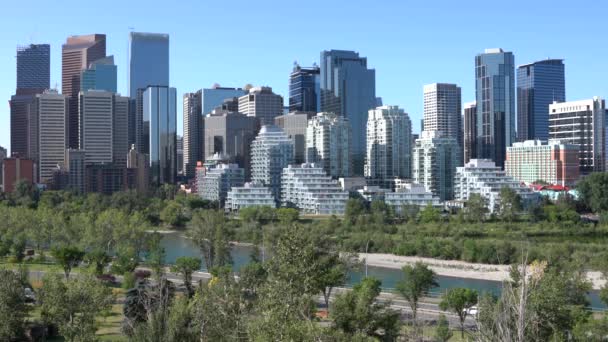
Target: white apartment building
328, 142
218, 180
482, 176
271, 151
249, 195
389, 137
435, 158
310, 189
442, 110
581, 123
410, 194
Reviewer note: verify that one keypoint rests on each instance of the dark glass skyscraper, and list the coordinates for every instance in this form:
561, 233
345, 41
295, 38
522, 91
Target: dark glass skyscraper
304, 89
538, 85
33, 69
348, 88
159, 114
495, 93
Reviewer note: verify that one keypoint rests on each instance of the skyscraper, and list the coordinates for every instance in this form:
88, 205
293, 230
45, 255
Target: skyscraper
348, 88
193, 132
271, 151
262, 104
304, 89
23, 122
120, 134
214, 97
442, 110
328, 142
495, 92
294, 125
33, 69
148, 66
470, 131
581, 123
96, 126
160, 114
76, 55
389, 137
435, 159
52, 140
539, 84
100, 75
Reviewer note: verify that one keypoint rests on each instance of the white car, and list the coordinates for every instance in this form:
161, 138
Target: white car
472, 311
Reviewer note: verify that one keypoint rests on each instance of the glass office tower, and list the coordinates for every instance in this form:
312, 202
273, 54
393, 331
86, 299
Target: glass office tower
33, 69
160, 115
495, 92
348, 88
539, 84
215, 96
304, 89
100, 75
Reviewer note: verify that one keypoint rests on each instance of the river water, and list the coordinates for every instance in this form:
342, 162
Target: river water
176, 245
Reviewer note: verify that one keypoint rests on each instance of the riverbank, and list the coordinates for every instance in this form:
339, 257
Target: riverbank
459, 269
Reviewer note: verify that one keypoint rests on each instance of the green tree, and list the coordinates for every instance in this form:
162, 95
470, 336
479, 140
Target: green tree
510, 204
459, 300
68, 257
186, 266
171, 214
416, 282
593, 189
442, 330
358, 312
13, 309
287, 215
430, 214
476, 208
209, 231
381, 212
355, 207
99, 259
73, 304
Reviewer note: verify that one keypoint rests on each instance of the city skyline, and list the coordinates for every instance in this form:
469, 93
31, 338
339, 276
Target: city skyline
400, 73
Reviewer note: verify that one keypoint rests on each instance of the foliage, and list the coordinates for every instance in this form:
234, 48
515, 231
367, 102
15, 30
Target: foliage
459, 300
430, 214
185, 266
593, 189
98, 258
72, 304
510, 204
68, 257
209, 231
13, 307
442, 330
287, 215
418, 280
476, 208
358, 312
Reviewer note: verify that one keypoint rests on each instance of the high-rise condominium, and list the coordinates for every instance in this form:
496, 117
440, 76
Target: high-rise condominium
100, 75
470, 131
193, 132
581, 123
262, 104
148, 66
160, 115
294, 125
435, 158
539, 84
348, 88
33, 69
52, 109
271, 151
389, 138
442, 110
495, 92
77, 54
328, 142
304, 89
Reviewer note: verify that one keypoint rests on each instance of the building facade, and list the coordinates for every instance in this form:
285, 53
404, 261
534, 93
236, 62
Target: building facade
312, 191
553, 162
140, 164
100, 75
193, 132
96, 110
262, 104
218, 180
271, 151
16, 169
75, 165
539, 84
389, 137
582, 123
442, 110
304, 89
410, 195
495, 92
328, 144
53, 110
77, 54
294, 124
348, 88
483, 177
435, 158
33, 69
470, 131
215, 96
160, 114
249, 195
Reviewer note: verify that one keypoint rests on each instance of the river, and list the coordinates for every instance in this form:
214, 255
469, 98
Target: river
176, 246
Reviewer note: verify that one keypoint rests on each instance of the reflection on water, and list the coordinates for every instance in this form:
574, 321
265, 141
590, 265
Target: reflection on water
176, 246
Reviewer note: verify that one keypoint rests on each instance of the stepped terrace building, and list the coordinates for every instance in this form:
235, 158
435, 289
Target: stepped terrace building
410, 194
249, 195
218, 180
310, 189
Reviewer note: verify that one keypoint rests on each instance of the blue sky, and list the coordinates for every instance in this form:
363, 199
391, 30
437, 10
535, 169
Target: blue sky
409, 43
